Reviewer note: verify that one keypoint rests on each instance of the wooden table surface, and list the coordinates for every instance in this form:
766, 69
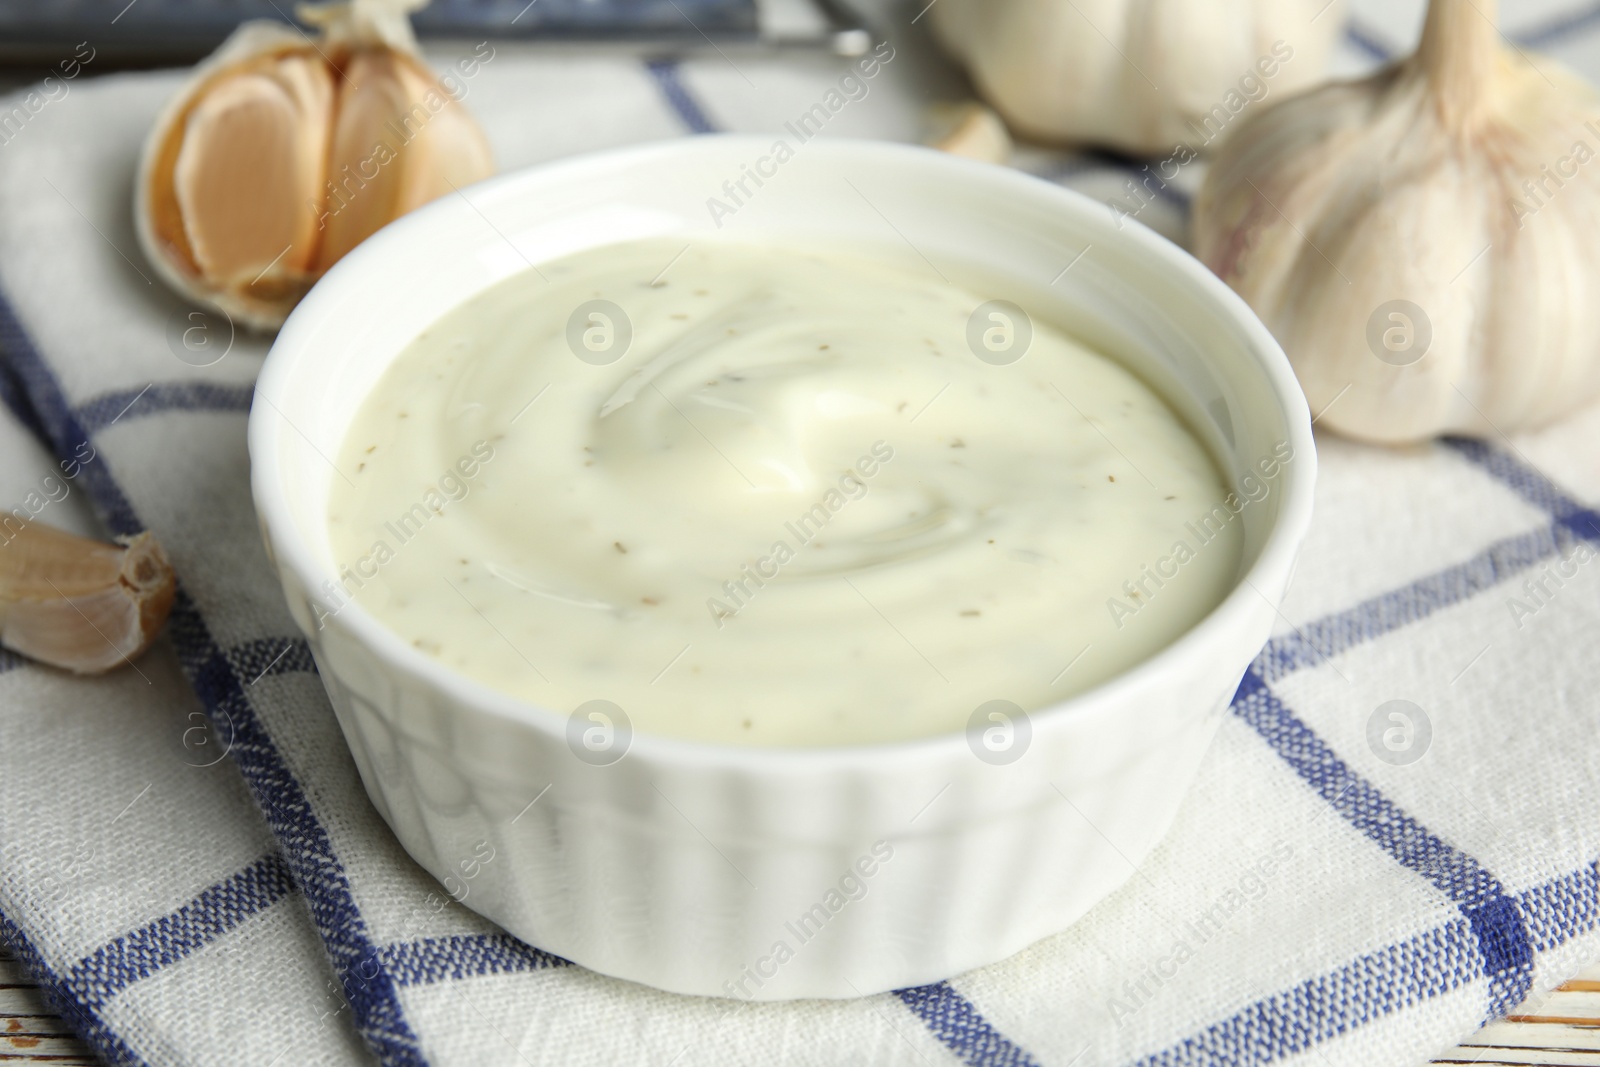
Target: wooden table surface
1564, 1030
29, 1031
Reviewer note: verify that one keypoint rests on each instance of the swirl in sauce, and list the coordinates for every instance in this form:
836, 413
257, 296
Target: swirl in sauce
798, 510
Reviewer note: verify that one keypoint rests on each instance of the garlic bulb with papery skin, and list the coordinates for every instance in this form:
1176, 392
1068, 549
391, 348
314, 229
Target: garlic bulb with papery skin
80, 604
1424, 243
284, 151
1144, 76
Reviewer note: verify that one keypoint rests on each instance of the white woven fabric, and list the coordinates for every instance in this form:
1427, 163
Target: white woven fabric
1314, 903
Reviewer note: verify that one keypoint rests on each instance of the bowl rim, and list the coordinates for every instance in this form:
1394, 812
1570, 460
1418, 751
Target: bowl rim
285, 364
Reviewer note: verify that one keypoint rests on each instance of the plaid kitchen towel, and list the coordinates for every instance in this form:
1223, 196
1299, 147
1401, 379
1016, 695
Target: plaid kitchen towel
190, 866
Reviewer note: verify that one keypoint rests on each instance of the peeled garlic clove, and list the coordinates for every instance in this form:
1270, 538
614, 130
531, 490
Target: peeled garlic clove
969, 130
1422, 242
80, 604
284, 152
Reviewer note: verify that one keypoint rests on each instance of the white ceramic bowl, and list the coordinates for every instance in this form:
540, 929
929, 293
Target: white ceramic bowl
684, 866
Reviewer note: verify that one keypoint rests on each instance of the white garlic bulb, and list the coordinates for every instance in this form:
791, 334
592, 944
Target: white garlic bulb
1140, 75
284, 151
1423, 242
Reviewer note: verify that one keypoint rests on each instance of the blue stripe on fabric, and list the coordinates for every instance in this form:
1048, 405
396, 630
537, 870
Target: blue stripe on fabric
1367, 989
1558, 911
84, 1020
1399, 976
1366, 41
61, 429
1530, 484
101, 411
1559, 28
1552, 32
15, 398
1491, 913
1317, 642
269, 656
375, 1005
668, 76
436, 959
956, 1022
1506, 932
368, 987
98, 977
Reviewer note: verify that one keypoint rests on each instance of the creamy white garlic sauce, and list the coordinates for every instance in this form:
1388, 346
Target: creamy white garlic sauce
779, 500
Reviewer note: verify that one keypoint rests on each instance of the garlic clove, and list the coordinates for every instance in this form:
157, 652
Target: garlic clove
158, 215
1391, 234
969, 130
80, 604
457, 154
264, 169
365, 170
250, 163
399, 141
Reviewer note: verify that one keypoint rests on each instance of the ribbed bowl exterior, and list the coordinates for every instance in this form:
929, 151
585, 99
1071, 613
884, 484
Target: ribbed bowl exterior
689, 878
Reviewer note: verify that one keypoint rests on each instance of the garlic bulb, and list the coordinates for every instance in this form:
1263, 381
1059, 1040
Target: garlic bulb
283, 152
1144, 76
80, 604
1423, 243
